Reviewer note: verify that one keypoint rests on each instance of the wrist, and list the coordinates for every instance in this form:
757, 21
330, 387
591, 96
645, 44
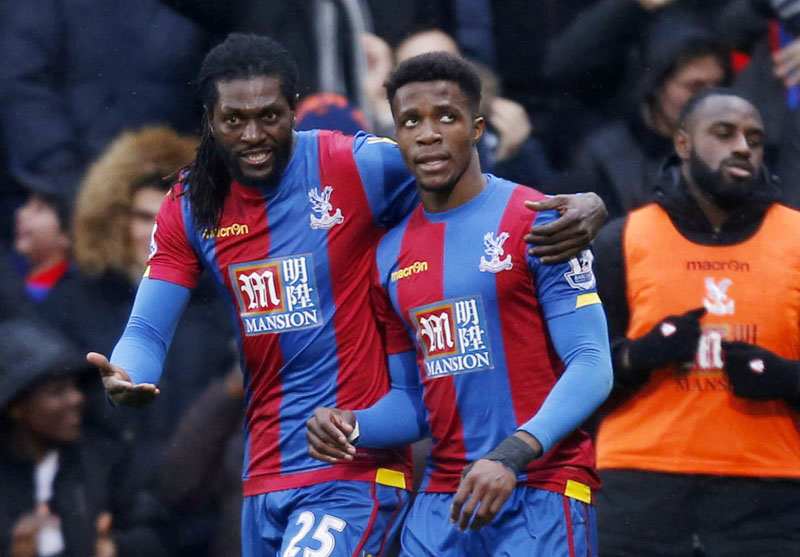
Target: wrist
354, 435
514, 453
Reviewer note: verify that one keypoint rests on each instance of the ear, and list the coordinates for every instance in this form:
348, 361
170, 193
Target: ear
478, 125
683, 144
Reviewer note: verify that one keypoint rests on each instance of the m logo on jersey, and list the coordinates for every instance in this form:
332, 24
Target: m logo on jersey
717, 300
321, 204
277, 295
453, 336
580, 275
494, 249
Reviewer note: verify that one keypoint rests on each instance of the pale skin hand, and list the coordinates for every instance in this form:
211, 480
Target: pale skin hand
486, 487
326, 433
581, 218
104, 545
512, 125
118, 385
23, 534
787, 63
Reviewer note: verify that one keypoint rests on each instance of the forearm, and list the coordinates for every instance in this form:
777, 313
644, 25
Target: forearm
398, 418
142, 348
581, 340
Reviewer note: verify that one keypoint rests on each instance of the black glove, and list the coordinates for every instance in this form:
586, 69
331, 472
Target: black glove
672, 341
757, 373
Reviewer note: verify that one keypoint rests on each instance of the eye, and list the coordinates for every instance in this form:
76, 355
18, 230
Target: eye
755, 141
410, 121
447, 118
270, 116
723, 134
232, 120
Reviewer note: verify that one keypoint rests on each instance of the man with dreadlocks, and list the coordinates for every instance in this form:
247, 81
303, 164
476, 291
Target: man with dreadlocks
287, 223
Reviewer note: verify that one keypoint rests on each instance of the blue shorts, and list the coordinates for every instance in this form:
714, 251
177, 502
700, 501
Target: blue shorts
531, 522
329, 519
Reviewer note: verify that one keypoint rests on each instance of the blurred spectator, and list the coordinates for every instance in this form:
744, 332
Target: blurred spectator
115, 210
329, 111
75, 73
700, 288
60, 488
203, 460
41, 236
507, 148
621, 160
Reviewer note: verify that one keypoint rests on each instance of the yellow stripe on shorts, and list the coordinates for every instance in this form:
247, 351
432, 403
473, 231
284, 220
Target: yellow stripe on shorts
578, 491
392, 478
587, 300
147, 272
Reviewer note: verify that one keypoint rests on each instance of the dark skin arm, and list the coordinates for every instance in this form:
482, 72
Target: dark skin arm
326, 433
581, 216
488, 483
118, 384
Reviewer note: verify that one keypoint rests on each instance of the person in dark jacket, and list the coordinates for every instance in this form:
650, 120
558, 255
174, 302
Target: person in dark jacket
76, 73
620, 160
61, 489
113, 222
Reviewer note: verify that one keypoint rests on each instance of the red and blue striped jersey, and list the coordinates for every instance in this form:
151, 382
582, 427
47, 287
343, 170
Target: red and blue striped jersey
465, 288
293, 265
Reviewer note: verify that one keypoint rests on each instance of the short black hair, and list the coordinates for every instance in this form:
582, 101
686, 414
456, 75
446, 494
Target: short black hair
690, 108
436, 66
244, 55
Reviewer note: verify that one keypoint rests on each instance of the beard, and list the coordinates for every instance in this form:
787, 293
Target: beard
725, 193
280, 158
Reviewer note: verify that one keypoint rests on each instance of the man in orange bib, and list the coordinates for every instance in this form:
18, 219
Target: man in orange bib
702, 288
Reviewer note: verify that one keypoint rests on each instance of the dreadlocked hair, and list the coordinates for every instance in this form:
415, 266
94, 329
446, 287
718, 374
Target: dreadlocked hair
240, 56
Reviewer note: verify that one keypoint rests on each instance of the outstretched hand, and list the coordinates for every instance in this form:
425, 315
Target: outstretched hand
582, 215
327, 431
118, 384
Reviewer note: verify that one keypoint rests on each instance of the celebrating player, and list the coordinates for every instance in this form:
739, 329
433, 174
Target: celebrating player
511, 355
287, 224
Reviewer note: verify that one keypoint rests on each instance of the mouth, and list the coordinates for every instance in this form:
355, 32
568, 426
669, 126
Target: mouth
739, 170
256, 158
431, 162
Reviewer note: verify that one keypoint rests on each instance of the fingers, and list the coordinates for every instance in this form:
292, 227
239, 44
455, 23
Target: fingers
326, 433
549, 203
558, 252
471, 505
100, 362
464, 489
326, 452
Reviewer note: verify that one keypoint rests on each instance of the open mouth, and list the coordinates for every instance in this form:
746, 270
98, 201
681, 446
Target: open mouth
432, 163
257, 157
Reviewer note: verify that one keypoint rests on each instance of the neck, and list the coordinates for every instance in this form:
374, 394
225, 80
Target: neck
50, 260
467, 187
713, 213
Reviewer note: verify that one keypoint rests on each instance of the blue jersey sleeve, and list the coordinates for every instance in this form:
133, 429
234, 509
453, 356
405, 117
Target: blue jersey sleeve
398, 418
388, 184
142, 348
564, 287
581, 341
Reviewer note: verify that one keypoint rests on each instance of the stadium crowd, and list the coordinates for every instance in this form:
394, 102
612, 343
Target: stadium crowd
682, 116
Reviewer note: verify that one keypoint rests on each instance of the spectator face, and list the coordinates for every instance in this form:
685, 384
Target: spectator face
692, 76
724, 148
252, 125
144, 208
51, 413
426, 41
38, 235
436, 132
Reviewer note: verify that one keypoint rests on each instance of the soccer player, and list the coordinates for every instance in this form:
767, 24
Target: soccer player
287, 224
511, 355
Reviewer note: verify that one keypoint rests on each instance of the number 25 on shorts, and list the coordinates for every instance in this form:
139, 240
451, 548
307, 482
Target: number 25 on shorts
322, 534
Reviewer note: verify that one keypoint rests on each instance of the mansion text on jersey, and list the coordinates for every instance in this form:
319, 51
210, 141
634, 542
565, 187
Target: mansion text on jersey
257, 324
458, 363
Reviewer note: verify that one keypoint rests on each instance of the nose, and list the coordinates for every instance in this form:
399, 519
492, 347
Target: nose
428, 133
252, 132
75, 397
741, 147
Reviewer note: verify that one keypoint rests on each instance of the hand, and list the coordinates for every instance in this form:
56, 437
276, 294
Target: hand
118, 385
759, 374
512, 125
673, 340
326, 433
654, 4
787, 63
23, 534
104, 545
582, 215
487, 484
